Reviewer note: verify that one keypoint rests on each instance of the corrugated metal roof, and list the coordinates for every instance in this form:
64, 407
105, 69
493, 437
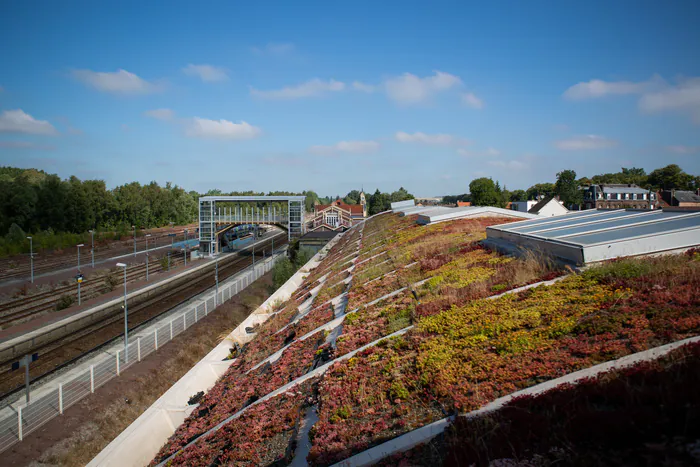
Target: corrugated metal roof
403, 204
597, 235
448, 214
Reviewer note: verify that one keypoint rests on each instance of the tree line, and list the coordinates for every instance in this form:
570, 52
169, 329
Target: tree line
485, 191
57, 212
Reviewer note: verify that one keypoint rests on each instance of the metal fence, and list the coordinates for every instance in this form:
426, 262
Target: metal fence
21, 420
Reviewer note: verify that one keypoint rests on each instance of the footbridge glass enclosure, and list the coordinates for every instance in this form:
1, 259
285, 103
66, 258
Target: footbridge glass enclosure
217, 214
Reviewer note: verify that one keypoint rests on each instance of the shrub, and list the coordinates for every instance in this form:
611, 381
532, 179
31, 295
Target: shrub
64, 302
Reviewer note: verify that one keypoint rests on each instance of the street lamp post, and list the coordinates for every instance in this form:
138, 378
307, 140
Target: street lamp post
216, 277
134, 227
184, 250
126, 318
147, 235
92, 247
79, 278
31, 257
172, 238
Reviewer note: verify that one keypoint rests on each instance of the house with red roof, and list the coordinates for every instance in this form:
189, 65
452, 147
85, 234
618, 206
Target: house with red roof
338, 215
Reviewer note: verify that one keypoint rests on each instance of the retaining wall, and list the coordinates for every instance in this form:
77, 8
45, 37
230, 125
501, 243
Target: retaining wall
140, 442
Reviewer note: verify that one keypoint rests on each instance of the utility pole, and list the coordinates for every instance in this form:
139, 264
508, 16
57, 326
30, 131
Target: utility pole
79, 277
31, 257
92, 247
147, 254
134, 227
126, 318
216, 276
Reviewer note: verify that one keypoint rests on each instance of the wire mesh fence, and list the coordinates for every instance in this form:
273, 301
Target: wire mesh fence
20, 420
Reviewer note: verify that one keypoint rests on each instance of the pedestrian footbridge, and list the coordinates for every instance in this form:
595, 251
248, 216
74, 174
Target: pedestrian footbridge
217, 214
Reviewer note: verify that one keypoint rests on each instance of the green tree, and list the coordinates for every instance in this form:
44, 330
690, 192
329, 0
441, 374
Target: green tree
400, 195
567, 188
540, 189
518, 195
310, 201
378, 202
671, 177
483, 192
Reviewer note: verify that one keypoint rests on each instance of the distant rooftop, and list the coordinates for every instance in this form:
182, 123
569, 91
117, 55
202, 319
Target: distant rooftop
598, 235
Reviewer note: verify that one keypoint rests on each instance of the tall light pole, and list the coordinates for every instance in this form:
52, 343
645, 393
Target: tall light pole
216, 277
126, 318
80, 279
172, 238
92, 247
147, 235
134, 227
31, 257
184, 250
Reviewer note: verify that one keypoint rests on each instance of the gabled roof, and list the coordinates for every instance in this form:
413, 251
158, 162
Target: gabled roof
542, 203
623, 189
353, 208
686, 196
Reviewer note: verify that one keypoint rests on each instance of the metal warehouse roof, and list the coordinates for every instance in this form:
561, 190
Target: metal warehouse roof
409, 203
449, 214
598, 235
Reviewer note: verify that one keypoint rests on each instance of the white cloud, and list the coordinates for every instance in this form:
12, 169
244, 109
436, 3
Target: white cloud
356, 147
311, 88
220, 129
118, 82
510, 165
469, 99
680, 149
160, 114
598, 88
656, 95
207, 73
585, 142
274, 48
17, 121
410, 89
423, 138
683, 97
368, 88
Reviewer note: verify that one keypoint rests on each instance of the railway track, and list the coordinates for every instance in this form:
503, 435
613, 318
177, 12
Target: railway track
43, 265
26, 307
62, 352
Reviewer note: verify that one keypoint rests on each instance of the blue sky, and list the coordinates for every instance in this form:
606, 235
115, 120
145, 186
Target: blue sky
332, 96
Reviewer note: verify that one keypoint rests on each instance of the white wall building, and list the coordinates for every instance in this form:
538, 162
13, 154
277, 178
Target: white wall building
522, 206
548, 207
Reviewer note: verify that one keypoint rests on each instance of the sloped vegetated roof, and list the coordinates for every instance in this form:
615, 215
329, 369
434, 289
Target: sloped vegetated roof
456, 340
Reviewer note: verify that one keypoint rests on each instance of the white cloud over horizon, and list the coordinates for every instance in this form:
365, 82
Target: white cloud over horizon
18, 121
160, 114
207, 73
117, 82
585, 142
432, 139
368, 88
656, 95
488, 152
469, 99
411, 89
681, 149
312, 88
354, 147
197, 127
